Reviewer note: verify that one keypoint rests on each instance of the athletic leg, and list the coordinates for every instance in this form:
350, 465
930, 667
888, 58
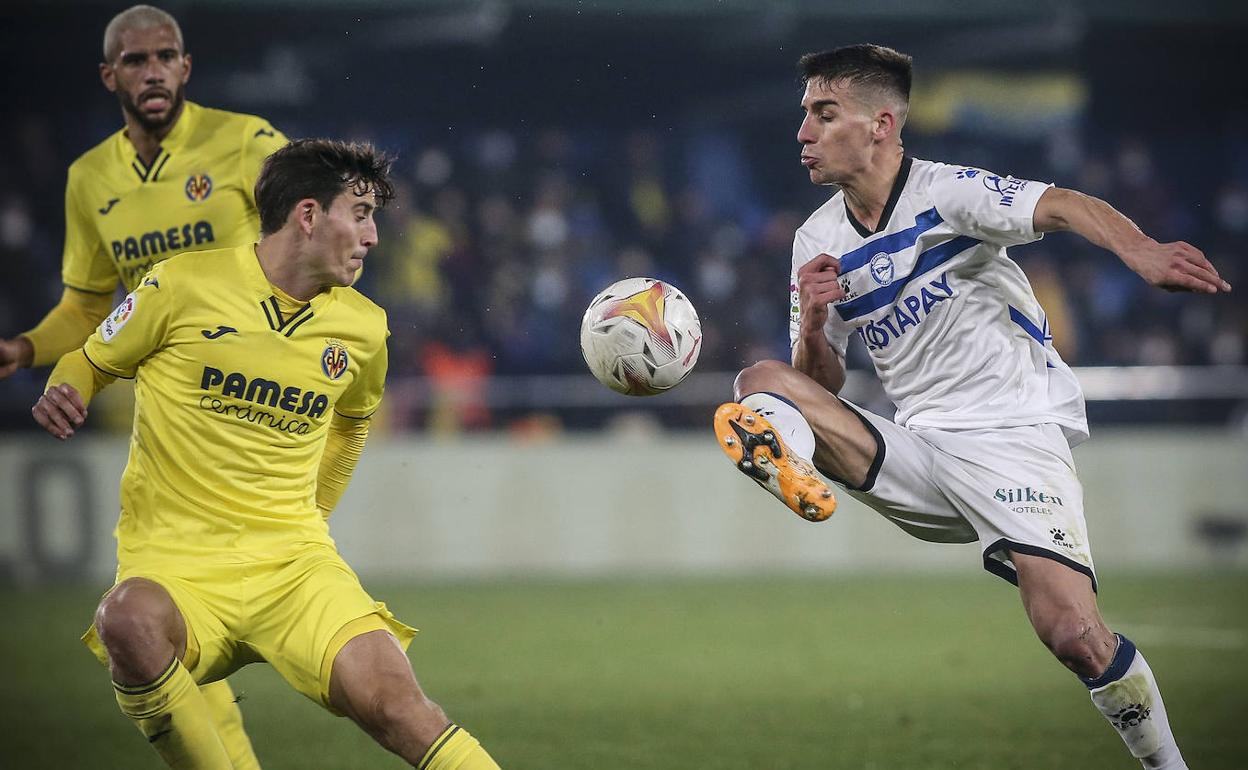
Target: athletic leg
844, 448
1061, 606
145, 636
228, 717
373, 684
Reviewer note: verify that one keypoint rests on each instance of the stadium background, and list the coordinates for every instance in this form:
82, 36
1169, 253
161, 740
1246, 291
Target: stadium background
595, 585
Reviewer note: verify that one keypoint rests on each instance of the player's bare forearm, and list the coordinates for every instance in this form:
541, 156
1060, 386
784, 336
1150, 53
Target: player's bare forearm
818, 285
1174, 266
814, 357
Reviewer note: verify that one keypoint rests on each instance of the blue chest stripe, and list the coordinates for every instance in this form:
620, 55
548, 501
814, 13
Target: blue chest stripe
891, 244
1032, 330
886, 295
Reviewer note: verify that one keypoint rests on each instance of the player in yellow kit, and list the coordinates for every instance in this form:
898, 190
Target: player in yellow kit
178, 177
254, 384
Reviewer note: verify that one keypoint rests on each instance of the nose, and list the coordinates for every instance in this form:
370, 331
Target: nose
369, 238
153, 71
806, 132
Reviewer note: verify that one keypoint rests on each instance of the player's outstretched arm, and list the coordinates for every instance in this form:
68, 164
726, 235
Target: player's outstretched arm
66, 326
818, 284
1174, 266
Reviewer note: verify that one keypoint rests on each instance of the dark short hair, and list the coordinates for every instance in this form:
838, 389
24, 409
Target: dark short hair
862, 65
321, 169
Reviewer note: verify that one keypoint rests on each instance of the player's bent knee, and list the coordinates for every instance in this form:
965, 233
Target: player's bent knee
1081, 643
763, 376
135, 614
393, 713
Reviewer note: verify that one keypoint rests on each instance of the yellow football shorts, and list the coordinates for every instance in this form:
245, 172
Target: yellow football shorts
296, 613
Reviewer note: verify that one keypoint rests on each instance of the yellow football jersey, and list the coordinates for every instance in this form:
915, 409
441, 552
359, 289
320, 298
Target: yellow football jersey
122, 217
233, 402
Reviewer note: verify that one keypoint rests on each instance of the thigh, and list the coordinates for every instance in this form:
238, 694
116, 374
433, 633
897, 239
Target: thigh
303, 612
1018, 488
903, 485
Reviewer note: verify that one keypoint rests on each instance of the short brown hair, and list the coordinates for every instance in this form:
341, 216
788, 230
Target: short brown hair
862, 65
321, 169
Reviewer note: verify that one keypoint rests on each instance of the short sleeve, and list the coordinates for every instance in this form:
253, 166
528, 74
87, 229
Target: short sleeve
261, 141
85, 265
804, 250
993, 208
135, 329
363, 395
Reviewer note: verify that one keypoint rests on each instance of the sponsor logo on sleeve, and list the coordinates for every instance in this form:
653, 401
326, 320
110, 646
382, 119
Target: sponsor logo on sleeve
118, 318
1005, 188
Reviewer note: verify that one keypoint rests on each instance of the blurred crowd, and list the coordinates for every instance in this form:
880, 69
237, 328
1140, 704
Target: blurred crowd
499, 238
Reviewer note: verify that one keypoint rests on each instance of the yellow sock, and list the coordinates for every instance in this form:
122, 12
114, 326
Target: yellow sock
172, 715
456, 749
229, 720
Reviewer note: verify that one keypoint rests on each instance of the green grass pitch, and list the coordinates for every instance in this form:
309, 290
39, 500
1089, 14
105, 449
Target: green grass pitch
812, 671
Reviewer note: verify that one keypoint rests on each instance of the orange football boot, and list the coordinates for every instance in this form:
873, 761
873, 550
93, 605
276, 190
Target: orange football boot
755, 446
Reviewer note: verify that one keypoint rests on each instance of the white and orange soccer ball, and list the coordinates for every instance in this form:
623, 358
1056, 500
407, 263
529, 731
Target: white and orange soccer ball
641, 336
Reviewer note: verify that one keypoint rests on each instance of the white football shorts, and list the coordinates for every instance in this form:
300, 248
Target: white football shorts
1012, 489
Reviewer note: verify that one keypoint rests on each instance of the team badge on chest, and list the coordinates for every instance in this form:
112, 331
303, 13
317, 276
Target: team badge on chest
198, 187
334, 359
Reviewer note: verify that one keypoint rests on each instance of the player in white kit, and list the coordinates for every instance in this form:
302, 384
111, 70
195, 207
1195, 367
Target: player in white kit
910, 257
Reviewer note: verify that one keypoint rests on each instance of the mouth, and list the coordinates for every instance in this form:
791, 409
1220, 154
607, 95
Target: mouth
155, 100
808, 161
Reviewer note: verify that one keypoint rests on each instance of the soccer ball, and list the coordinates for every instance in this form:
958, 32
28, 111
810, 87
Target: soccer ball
640, 336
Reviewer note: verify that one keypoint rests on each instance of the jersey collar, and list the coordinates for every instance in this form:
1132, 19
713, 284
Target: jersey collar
264, 294
898, 185
175, 140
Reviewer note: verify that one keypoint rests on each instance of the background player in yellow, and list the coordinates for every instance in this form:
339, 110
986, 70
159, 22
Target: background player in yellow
177, 177
254, 384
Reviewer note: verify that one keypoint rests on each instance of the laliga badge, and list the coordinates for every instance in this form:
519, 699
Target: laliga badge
118, 318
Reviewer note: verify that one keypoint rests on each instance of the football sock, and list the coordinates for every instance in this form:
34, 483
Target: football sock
784, 417
172, 715
1127, 695
456, 749
229, 721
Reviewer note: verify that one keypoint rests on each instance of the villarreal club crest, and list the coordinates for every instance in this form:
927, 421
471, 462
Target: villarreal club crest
334, 360
198, 187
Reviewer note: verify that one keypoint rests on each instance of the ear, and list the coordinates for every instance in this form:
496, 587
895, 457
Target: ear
885, 125
186, 73
306, 215
108, 77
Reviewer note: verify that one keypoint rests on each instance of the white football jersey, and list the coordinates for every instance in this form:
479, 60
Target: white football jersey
951, 323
